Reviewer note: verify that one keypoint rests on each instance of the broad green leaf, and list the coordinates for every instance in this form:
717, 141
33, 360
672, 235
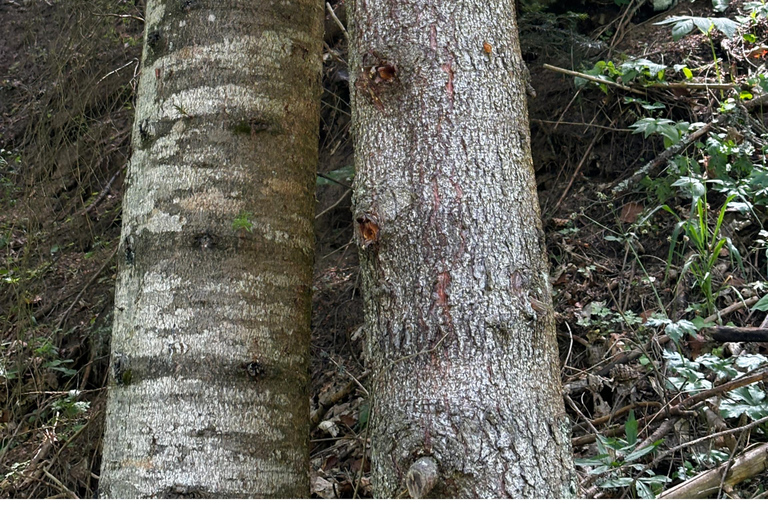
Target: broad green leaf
644, 491
751, 361
641, 453
726, 26
762, 304
703, 24
630, 428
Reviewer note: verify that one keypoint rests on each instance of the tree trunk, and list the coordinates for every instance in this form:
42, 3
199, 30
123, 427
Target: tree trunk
208, 394
458, 309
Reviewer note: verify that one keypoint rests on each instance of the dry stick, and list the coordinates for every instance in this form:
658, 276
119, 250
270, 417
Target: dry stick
576, 172
692, 85
588, 125
333, 15
568, 106
338, 396
87, 285
738, 334
334, 205
682, 408
756, 102
665, 428
704, 484
660, 457
581, 414
102, 194
661, 159
592, 79
713, 436
60, 485
329, 178
625, 409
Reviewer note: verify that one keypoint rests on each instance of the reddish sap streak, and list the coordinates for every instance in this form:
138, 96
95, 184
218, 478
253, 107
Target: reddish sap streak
443, 281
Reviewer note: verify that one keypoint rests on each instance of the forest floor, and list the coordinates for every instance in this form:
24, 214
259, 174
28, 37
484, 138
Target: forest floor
643, 271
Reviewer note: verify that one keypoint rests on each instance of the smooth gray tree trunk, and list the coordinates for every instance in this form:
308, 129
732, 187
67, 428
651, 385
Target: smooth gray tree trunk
460, 326
208, 387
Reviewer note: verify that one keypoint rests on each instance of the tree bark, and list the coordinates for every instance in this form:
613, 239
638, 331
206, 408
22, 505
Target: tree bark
460, 326
208, 393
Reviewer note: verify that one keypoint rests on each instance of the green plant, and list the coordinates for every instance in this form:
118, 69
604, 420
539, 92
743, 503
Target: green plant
242, 221
343, 175
756, 10
642, 70
683, 25
70, 406
693, 376
671, 131
707, 244
675, 330
616, 456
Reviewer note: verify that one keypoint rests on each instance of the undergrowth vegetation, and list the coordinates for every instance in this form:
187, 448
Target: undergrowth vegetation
709, 178
649, 139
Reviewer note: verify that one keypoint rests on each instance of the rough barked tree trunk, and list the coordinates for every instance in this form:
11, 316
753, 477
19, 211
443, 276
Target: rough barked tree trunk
208, 394
460, 323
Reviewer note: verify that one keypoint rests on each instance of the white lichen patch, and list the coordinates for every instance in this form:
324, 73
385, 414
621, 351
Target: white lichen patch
202, 101
161, 222
155, 13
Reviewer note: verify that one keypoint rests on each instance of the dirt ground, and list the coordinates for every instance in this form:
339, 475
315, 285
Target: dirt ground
66, 103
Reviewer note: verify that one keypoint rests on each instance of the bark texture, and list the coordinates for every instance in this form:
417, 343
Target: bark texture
208, 392
460, 322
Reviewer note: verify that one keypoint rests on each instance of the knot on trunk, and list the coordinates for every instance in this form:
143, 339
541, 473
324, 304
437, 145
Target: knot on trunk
421, 477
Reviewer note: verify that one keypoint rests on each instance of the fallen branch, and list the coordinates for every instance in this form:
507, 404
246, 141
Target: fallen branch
737, 334
591, 78
661, 159
705, 484
681, 409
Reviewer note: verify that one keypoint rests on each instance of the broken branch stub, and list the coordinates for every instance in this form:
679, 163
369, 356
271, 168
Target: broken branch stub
421, 477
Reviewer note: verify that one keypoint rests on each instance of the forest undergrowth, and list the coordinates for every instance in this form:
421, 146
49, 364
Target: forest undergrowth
649, 140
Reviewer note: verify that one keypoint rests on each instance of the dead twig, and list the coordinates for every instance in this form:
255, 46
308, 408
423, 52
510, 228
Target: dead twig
82, 291
577, 172
709, 482
682, 408
334, 398
661, 159
593, 79
334, 205
336, 20
102, 194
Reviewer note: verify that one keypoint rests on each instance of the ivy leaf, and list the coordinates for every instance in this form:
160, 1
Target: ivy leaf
751, 361
676, 330
749, 400
720, 5
681, 26
644, 491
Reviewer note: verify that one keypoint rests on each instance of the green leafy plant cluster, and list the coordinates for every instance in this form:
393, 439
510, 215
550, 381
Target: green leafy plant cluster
617, 456
699, 374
